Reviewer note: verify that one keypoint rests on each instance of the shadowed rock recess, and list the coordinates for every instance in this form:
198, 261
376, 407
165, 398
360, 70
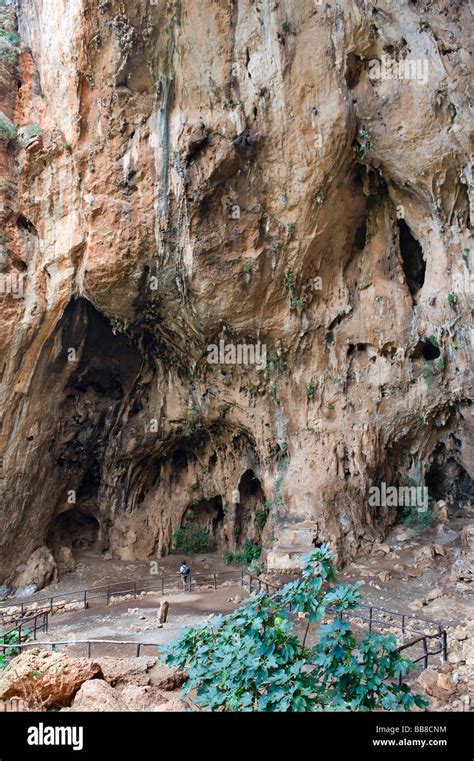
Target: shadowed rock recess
291, 176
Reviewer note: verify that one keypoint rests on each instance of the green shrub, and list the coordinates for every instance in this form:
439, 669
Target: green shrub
296, 302
261, 516
7, 128
249, 553
31, 131
9, 55
12, 37
12, 639
256, 567
192, 539
428, 374
252, 660
311, 388
365, 143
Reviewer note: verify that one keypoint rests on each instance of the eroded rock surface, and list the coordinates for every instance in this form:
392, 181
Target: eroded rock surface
46, 680
179, 174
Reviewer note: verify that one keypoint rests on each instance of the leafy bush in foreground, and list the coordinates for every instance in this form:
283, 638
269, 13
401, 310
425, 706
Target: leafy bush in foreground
251, 660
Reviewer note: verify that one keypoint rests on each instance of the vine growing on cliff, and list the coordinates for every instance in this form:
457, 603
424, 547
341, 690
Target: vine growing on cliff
253, 660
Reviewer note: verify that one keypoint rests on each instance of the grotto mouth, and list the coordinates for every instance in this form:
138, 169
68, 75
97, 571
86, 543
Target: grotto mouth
77, 530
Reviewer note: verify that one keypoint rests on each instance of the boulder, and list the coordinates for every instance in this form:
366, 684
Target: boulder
433, 594
98, 696
437, 684
45, 679
461, 569
122, 671
39, 571
65, 559
424, 555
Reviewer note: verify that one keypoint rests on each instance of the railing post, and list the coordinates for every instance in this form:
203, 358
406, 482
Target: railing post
215, 581
370, 619
403, 629
135, 589
85, 599
425, 650
89, 649
51, 605
34, 627
445, 645
19, 632
242, 577
138, 650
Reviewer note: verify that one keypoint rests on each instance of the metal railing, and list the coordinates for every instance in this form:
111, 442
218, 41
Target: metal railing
56, 644
378, 617
373, 615
106, 592
24, 629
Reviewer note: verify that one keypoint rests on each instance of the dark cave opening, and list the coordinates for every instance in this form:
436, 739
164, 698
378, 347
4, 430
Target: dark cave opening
203, 524
447, 479
107, 361
249, 513
426, 350
414, 265
75, 529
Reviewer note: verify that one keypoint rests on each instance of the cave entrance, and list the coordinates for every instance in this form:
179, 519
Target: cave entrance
75, 529
447, 479
250, 513
414, 265
202, 526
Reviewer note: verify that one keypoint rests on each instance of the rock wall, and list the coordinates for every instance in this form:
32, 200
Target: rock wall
175, 174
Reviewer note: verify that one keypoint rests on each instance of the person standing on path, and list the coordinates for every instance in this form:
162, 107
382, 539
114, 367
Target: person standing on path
184, 571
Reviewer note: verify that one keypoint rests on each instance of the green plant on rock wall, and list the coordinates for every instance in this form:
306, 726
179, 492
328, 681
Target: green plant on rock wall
192, 539
311, 387
261, 516
7, 128
365, 143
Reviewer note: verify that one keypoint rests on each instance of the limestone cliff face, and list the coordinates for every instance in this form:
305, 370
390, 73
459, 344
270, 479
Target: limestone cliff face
184, 172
